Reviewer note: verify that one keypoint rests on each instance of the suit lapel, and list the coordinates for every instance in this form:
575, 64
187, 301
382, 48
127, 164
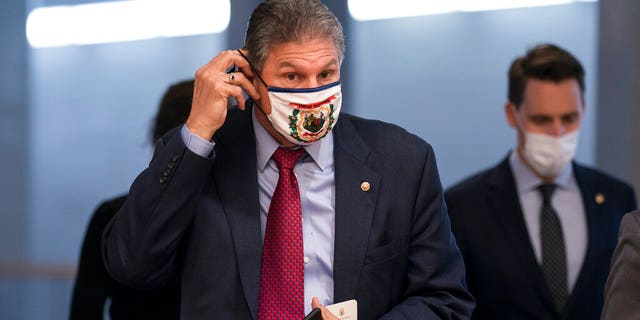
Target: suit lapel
504, 200
237, 185
354, 207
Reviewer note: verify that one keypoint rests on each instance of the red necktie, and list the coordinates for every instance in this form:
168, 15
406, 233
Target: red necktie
282, 274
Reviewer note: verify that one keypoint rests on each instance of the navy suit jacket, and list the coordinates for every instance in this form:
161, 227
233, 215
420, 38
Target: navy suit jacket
394, 250
502, 271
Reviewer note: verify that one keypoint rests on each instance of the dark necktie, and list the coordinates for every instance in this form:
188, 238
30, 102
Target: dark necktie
554, 259
282, 273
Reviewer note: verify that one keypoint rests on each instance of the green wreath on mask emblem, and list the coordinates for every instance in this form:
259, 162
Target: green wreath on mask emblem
293, 124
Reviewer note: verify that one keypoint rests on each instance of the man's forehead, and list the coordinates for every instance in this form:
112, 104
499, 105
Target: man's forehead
545, 92
308, 49
535, 86
293, 64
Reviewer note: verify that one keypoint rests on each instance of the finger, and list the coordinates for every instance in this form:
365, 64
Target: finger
241, 102
216, 89
232, 77
326, 314
232, 58
236, 92
239, 79
225, 60
246, 67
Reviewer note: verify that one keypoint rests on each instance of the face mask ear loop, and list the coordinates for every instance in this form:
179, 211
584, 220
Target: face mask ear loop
258, 75
253, 68
265, 84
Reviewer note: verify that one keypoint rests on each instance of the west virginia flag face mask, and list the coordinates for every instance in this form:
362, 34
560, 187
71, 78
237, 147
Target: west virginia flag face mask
304, 116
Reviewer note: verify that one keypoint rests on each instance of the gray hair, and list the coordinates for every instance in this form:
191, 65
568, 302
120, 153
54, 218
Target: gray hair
280, 21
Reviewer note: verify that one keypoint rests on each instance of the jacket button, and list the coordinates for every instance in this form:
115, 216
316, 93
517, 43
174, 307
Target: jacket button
163, 180
166, 173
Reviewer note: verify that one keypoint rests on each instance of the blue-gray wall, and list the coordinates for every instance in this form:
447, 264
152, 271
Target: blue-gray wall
13, 154
90, 112
444, 77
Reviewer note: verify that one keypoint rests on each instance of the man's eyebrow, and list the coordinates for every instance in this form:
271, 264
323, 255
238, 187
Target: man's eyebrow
285, 64
539, 116
331, 63
571, 114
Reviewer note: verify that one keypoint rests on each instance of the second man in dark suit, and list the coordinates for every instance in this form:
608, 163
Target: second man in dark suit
537, 231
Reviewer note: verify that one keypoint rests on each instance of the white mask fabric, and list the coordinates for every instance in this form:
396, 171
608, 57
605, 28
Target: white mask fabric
304, 116
549, 155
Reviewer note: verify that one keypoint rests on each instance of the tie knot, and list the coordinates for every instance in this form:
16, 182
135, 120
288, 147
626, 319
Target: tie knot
547, 189
287, 158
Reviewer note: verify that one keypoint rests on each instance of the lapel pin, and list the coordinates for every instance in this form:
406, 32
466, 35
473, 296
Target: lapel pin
365, 186
599, 198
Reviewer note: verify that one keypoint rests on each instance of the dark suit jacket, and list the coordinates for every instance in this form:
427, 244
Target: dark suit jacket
394, 251
502, 271
622, 291
93, 286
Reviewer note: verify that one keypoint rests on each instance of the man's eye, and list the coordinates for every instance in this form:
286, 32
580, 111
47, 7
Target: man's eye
540, 120
570, 118
291, 76
325, 74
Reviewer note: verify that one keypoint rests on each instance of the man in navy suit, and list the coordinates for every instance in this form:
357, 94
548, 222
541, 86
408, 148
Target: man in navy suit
537, 231
374, 226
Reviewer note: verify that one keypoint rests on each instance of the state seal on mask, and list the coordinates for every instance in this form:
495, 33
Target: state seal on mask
304, 116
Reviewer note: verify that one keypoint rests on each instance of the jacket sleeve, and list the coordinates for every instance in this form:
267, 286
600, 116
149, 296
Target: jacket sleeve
622, 298
140, 244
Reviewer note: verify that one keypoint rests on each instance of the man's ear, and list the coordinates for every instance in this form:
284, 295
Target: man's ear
510, 112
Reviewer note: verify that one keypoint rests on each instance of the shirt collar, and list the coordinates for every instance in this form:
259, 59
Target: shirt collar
320, 151
526, 180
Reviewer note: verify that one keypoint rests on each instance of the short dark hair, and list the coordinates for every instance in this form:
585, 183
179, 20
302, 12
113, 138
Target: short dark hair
546, 62
279, 21
174, 108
